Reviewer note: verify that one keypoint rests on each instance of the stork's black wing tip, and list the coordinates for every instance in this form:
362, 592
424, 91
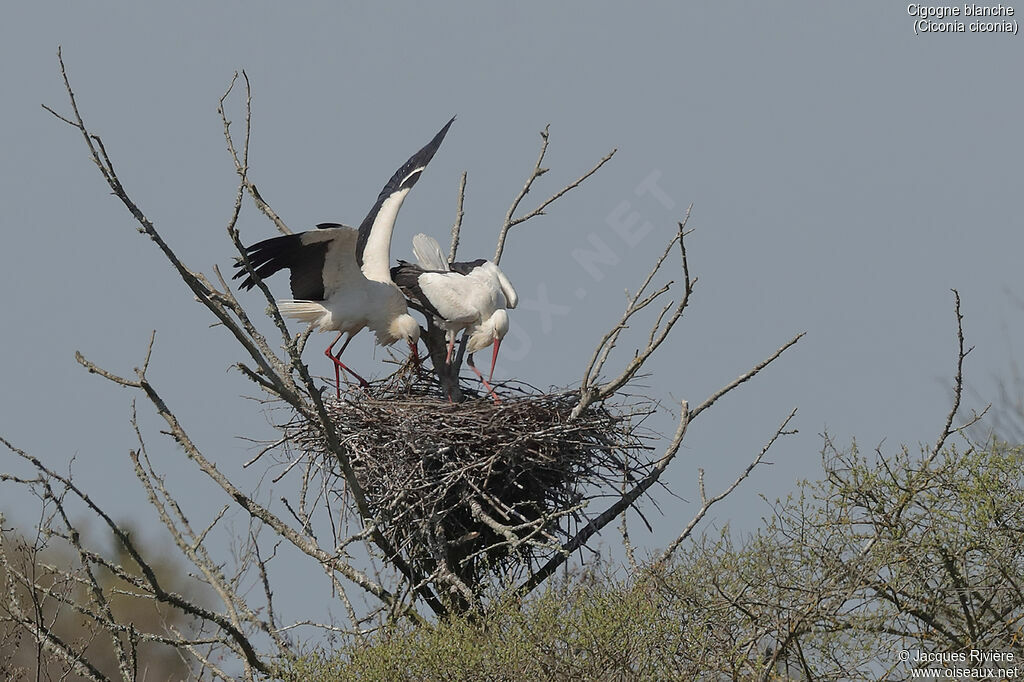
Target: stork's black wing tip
410, 172
423, 156
403, 180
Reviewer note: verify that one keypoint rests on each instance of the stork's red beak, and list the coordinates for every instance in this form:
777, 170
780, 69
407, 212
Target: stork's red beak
494, 358
415, 352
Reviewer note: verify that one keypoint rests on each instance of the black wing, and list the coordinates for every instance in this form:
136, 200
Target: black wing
306, 262
465, 267
405, 177
407, 276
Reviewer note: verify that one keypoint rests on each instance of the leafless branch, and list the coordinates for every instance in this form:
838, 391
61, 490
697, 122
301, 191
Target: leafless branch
457, 226
624, 501
227, 310
242, 163
706, 502
745, 377
447, 496
149, 575
958, 383
627, 499
538, 170
589, 393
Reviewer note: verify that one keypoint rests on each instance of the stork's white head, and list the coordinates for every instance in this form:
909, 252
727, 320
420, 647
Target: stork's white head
493, 330
405, 327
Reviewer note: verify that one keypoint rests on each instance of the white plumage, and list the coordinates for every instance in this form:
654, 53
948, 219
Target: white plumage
468, 297
352, 301
339, 275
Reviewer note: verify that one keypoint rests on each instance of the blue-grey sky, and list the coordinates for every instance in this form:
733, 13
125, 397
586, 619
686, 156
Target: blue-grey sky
845, 174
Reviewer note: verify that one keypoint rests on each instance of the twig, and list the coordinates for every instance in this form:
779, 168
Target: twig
243, 330
148, 573
743, 378
706, 503
624, 501
242, 164
538, 170
958, 382
589, 394
457, 226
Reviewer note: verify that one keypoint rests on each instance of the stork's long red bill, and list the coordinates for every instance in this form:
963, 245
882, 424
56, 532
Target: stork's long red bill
494, 358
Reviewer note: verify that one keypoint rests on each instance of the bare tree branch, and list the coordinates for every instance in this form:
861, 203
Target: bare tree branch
149, 574
219, 303
958, 381
242, 164
707, 503
625, 501
457, 226
538, 170
422, 548
590, 394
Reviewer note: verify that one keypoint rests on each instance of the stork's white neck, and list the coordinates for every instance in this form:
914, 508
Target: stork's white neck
377, 252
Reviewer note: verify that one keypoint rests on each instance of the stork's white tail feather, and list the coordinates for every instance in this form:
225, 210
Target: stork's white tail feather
306, 311
428, 253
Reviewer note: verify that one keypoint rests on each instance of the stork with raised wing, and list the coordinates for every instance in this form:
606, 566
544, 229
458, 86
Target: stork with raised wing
466, 296
340, 279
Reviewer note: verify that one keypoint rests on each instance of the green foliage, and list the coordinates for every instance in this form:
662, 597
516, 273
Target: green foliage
884, 553
595, 628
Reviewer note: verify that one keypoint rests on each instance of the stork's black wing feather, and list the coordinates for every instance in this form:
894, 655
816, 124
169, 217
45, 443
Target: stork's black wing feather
465, 267
407, 277
404, 177
306, 262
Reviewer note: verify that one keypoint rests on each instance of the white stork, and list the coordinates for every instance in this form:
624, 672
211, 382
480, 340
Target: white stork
339, 275
462, 296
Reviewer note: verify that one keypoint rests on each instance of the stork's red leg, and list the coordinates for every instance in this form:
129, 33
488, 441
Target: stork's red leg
362, 382
451, 346
329, 352
469, 361
339, 365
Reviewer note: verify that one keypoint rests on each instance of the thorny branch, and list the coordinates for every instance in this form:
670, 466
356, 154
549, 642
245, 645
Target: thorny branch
958, 383
948, 429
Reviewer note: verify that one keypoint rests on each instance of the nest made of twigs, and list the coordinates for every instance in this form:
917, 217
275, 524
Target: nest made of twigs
479, 487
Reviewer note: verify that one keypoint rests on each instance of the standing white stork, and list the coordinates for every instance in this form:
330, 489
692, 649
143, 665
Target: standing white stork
462, 296
339, 276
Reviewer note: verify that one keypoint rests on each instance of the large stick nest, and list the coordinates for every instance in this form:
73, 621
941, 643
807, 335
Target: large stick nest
476, 488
